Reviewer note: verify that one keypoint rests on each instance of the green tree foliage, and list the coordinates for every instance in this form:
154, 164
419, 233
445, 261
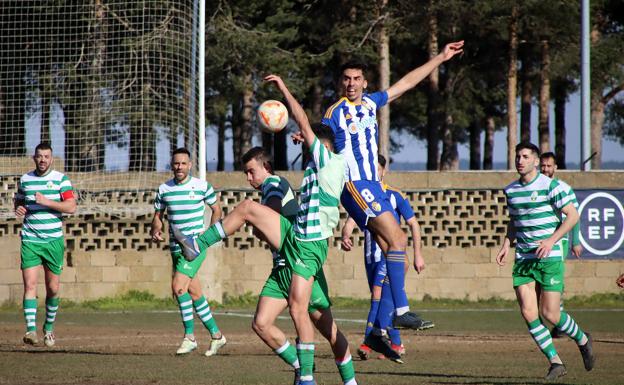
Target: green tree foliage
121, 70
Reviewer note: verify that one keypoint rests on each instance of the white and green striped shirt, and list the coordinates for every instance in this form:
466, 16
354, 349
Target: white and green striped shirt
185, 206
275, 186
323, 180
43, 224
535, 209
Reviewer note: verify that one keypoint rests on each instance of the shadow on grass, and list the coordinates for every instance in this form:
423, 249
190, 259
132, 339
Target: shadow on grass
468, 379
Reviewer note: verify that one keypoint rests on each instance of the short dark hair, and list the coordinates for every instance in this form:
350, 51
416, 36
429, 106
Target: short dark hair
43, 146
181, 150
259, 154
354, 64
529, 146
548, 155
324, 132
381, 160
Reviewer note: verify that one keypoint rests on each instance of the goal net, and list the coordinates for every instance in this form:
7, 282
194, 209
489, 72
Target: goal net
111, 85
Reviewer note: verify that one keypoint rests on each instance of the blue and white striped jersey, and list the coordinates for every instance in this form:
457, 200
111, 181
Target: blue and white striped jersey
356, 130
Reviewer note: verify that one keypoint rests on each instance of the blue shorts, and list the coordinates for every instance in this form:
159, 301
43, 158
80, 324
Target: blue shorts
376, 273
365, 199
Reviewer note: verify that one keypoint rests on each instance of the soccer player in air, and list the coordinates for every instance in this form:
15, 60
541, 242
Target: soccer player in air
536, 204
279, 196
382, 306
548, 167
353, 119
303, 243
43, 196
184, 197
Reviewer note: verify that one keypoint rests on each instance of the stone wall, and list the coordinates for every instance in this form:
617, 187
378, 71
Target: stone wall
462, 215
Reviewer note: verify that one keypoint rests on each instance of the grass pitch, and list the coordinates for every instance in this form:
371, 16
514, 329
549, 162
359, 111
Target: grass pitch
467, 346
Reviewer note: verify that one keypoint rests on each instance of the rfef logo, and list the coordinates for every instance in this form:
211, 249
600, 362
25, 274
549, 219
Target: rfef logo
602, 222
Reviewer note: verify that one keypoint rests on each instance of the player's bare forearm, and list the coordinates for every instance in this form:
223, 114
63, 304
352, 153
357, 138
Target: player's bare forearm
347, 231
415, 76
216, 213
66, 207
416, 237
572, 217
510, 236
156, 228
348, 227
502, 253
419, 262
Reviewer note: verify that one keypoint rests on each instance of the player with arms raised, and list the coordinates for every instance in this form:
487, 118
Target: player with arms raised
353, 119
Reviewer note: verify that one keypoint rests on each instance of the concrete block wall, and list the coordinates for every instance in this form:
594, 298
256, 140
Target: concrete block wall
109, 251
453, 272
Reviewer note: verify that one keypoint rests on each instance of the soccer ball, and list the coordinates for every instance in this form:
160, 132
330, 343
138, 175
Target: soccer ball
273, 116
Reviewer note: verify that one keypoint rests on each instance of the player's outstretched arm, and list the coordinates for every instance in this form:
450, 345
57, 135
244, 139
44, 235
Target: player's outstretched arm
297, 112
415, 76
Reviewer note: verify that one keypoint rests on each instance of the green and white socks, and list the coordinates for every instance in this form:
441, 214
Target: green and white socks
52, 305
346, 370
205, 315
30, 314
541, 336
305, 352
185, 302
288, 354
214, 234
568, 326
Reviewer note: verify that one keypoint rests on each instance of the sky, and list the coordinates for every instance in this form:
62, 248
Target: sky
413, 150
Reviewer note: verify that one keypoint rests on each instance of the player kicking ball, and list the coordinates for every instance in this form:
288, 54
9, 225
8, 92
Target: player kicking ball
273, 300
303, 243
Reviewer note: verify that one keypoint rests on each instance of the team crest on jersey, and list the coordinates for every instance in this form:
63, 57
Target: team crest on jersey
353, 128
376, 206
348, 116
191, 194
50, 185
534, 196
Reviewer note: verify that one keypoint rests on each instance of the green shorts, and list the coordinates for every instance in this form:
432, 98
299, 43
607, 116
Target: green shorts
49, 254
548, 274
278, 286
304, 258
181, 265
